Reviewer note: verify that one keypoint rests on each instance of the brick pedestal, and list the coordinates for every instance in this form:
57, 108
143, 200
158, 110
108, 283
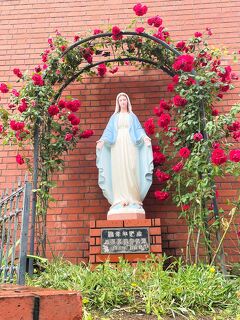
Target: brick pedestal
28, 303
96, 256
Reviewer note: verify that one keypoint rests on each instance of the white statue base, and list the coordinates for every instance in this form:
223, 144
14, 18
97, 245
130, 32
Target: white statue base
126, 213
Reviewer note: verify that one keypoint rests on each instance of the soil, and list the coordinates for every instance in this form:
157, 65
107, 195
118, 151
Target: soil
130, 316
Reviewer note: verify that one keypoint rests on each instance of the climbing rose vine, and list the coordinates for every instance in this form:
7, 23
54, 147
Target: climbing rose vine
194, 143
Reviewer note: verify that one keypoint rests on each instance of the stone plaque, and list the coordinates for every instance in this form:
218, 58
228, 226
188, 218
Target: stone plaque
125, 240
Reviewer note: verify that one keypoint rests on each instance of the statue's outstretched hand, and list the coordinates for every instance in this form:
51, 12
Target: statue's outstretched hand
147, 141
100, 144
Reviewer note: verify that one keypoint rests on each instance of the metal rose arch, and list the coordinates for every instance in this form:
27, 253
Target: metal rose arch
165, 65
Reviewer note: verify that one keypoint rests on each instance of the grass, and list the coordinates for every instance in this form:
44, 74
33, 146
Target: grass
189, 291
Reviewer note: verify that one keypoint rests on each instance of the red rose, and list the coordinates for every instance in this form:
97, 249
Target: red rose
162, 34
19, 159
197, 136
21, 134
73, 119
155, 148
86, 134
162, 176
164, 120
3, 88
178, 101
186, 207
209, 32
45, 55
236, 135
75, 130
37, 80
76, 104
12, 106
173, 129
114, 70
71, 116
102, 69
234, 155
1, 128
235, 126
89, 58
44, 58
155, 21
87, 54
139, 30
97, 31
226, 75
216, 145
215, 112
149, 126
170, 87
18, 135
14, 125
116, 33
17, 72
225, 88
38, 68
190, 81
15, 93
158, 158
73, 105
161, 195
63, 48
23, 106
62, 104
140, 10
76, 38
53, 110
218, 157
20, 125
178, 167
50, 41
175, 79
197, 34
181, 45
184, 152
68, 137
158, 111
184, 62
164, 105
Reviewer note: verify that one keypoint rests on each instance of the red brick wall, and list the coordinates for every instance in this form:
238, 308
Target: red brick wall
24, 28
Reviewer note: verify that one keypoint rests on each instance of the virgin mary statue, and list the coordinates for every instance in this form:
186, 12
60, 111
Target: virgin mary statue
125, 162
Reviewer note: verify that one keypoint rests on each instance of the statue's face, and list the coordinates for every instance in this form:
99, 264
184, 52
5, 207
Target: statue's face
123, 103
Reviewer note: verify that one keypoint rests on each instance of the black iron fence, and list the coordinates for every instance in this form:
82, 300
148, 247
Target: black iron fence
14, 222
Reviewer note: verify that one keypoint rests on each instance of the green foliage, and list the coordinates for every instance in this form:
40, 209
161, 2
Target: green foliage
149, 287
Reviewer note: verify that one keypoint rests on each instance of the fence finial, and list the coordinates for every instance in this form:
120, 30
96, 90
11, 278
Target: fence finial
26, 177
